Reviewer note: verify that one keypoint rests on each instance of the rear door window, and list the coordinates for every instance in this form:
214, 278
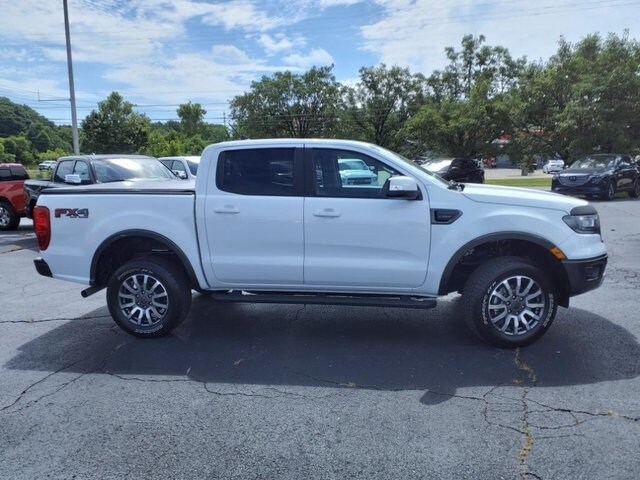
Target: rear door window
263, 171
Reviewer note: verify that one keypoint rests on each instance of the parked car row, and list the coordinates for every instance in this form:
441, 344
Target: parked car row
597, 175
19, 194
89, 169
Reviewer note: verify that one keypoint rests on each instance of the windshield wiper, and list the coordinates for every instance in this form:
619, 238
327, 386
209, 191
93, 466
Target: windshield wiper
456, 186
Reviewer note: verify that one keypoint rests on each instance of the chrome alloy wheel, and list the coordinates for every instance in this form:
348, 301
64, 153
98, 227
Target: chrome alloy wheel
5, 218
516, 305
143, 299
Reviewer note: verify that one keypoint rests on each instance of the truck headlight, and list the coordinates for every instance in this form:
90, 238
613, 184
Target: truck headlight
583, 223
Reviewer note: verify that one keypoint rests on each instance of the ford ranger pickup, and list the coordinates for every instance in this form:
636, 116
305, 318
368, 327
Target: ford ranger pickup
273, 221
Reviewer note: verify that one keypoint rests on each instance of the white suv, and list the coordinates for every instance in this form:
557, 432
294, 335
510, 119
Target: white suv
185, 168
554, 165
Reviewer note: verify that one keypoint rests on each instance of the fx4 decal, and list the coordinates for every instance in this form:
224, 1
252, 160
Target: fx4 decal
72, 212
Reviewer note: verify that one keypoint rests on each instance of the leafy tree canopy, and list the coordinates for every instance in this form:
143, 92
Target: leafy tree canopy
288, 105
115, 127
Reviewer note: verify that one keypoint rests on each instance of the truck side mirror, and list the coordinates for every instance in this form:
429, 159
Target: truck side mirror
401, 187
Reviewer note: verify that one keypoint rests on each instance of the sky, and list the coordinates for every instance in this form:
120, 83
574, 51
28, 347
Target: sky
160, 53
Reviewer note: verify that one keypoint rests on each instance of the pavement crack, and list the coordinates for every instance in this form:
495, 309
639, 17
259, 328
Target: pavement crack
43, 379
45, 320
524, 367
11, 250
346, 384
255, 394
528, 440
146, 380
574, 413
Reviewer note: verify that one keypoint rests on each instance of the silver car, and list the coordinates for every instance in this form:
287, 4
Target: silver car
554, 165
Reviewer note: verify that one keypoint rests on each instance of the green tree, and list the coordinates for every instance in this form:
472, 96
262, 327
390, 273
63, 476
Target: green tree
4, 156
191, 118
21, 120
459, 127
585, 98
52, 154
379, 104
475, 63
470, 102
115, 127
18, 149
288, 105
214, 133
39, 137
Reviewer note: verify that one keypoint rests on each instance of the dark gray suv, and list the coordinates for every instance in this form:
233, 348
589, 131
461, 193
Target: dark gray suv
602, 175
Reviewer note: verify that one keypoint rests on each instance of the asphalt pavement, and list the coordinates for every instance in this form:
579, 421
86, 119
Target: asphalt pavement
313, 392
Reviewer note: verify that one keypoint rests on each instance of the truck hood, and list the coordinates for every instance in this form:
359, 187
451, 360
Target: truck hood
523, 197
357, 174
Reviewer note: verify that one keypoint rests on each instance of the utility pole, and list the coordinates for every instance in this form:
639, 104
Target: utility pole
72, 92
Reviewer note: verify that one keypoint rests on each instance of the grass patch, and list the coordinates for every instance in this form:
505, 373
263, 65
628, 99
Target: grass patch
521, 182
37, 174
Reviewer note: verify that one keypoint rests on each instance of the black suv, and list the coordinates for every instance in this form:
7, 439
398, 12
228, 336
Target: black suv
458, 169
602, 175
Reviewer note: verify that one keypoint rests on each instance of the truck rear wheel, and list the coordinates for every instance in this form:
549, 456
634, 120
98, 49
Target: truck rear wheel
148, 297
9, 219
509, 302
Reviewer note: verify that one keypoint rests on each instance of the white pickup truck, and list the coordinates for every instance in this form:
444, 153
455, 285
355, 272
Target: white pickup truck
271, 221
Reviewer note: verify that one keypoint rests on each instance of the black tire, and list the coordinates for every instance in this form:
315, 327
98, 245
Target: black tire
130, 300
611, 191
9, 219
505, 317
635, 191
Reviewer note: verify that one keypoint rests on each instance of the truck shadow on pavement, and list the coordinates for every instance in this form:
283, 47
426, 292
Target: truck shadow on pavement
341, 347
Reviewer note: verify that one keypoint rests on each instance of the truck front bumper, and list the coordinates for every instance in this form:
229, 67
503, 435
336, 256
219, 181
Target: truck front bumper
585, 275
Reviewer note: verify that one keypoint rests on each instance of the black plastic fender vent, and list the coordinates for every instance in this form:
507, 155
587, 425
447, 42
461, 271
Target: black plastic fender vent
444, 216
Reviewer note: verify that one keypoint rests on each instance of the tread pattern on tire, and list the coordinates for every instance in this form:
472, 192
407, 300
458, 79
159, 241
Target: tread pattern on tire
176, 283
476, 287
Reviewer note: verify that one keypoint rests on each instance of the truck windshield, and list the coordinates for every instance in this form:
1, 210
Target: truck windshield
118, 169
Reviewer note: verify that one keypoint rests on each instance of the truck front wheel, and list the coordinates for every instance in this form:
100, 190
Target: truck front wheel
148, 297
509, 302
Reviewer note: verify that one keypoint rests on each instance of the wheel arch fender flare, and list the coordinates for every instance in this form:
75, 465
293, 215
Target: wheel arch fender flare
146, 234
484, 239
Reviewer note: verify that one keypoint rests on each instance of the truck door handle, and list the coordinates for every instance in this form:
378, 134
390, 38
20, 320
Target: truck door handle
226, 209
326, 212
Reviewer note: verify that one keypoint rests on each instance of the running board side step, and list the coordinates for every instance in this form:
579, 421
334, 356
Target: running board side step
397, 301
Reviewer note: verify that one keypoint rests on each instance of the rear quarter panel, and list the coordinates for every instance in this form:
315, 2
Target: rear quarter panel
74, 240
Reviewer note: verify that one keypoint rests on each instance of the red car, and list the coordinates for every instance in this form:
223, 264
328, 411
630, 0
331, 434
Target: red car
12, 177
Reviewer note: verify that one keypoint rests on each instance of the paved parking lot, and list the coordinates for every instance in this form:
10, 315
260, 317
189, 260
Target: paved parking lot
265, 392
